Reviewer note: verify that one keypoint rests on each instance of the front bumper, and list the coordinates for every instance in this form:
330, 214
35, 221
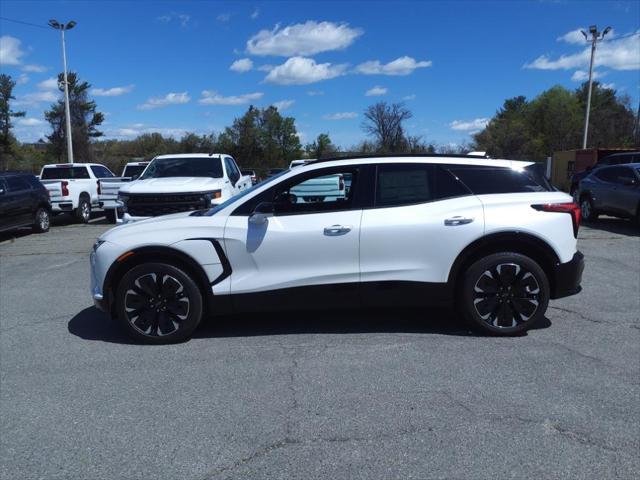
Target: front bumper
567, 277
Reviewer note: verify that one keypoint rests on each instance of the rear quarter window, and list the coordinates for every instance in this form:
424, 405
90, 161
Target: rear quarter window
488, 180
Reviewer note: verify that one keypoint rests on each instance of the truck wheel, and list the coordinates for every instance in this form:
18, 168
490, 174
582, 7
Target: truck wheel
110, 216
504, 294
83, 212
41, 220
158, 303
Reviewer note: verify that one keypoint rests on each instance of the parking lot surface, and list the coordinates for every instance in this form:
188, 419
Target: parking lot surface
384, 394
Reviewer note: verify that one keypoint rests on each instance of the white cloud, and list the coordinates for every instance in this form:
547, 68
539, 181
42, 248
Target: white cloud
210, 97
112, 92
10, 51
266, 68
302, 70
34, 68
306, 38
574, 37
340, 116
283, 104
242, 65
223, 17
35, 98
581, 75
134, 130
468, 126
255, 14
400, 66
168, 99
315, 93
611, 86
49, 84
30, 122
22, 79
622, 53
409, 97
181, 18
376, 91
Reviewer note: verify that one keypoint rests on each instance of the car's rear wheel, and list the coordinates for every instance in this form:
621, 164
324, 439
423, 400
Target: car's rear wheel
41, 220
505, 293
158, 303
83, 212
587, 210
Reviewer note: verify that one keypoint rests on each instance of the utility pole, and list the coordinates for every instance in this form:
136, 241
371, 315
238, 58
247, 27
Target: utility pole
62, 27
596, 36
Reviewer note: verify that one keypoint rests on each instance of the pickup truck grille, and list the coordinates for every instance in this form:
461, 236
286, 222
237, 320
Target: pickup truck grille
153, 205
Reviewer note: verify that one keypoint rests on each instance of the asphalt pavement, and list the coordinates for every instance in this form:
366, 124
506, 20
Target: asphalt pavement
341, 395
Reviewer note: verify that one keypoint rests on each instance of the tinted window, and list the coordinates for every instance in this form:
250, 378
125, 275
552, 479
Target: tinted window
34, 182
184, 167
446, 185
132, 170
486, 180
58, 173
17, 184
402, 184
612, 174
101, 172
232, 170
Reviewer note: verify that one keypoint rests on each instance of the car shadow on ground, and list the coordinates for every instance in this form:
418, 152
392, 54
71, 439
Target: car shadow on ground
92, 324
61, 220
619, 226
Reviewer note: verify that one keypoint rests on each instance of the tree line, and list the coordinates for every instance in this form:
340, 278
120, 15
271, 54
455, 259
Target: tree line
263, 137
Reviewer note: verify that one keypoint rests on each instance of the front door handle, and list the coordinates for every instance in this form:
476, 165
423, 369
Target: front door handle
455, 221
335, 230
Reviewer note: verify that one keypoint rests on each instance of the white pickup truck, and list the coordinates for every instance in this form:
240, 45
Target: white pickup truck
109, 188
74, 187
179, 183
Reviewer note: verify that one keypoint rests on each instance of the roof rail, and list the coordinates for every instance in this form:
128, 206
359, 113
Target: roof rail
391, 155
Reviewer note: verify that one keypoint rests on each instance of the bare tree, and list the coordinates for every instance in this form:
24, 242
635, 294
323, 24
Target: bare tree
384, 122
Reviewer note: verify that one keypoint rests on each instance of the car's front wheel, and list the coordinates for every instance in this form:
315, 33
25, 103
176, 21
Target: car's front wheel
505, 293
158, 303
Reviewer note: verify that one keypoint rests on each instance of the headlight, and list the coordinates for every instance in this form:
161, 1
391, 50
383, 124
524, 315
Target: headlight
211, 196
97, 244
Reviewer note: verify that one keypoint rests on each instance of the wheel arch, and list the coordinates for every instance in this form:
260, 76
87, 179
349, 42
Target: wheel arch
514, 241
164, 254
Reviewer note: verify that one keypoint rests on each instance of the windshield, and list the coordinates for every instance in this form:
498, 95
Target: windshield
244, 193
132, 170
184, 167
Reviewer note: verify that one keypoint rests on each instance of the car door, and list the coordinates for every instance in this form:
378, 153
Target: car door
422, 218
6, 219
305, 255
626, 191
19, 203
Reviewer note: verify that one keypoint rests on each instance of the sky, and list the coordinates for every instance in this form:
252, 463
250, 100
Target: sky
194, 66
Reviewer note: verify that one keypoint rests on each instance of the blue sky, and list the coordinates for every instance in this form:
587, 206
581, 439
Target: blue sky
194, 66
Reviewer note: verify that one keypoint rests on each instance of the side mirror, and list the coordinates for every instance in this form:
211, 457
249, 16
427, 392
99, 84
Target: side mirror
261, 213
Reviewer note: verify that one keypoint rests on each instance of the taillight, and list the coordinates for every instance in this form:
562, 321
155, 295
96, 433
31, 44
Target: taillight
65, 188
98, 182
571, 208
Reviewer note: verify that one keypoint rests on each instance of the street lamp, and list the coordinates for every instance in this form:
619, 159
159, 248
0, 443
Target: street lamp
596, 36
62, 27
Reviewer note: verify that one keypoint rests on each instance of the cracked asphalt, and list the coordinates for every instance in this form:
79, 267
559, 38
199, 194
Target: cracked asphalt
354, 395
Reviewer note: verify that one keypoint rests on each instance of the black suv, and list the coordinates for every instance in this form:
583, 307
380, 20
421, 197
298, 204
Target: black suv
612, 190
24, 202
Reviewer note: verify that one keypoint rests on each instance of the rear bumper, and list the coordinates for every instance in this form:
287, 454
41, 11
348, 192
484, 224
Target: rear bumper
568, 276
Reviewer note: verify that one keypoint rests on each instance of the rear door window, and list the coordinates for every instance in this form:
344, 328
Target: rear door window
17, 184
101, 172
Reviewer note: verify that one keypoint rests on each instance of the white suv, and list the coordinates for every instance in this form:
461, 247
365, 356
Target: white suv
491, 237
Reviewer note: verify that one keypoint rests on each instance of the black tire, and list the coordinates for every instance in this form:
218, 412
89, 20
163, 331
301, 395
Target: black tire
41, 220
83, 212
504, 294
154, 312
110, 216
587, 210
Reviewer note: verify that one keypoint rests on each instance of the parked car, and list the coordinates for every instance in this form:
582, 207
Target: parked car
320, 189
614, 159
613, 190
250, 173
110, 187
487, 236
179, 183
73, 187
24, 202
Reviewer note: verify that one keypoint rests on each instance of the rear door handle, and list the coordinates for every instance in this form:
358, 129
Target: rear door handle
335, 230
455, 221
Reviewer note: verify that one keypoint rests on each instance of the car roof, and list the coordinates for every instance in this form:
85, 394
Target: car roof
621, 154
434, 159
13, 173
191, 155
60, 165
623, 165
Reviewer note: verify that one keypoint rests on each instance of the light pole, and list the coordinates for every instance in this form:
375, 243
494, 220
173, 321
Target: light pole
596, 36
62, 27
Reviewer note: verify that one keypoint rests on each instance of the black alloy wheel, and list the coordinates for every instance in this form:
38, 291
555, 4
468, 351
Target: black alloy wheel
505, 293
159, 303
